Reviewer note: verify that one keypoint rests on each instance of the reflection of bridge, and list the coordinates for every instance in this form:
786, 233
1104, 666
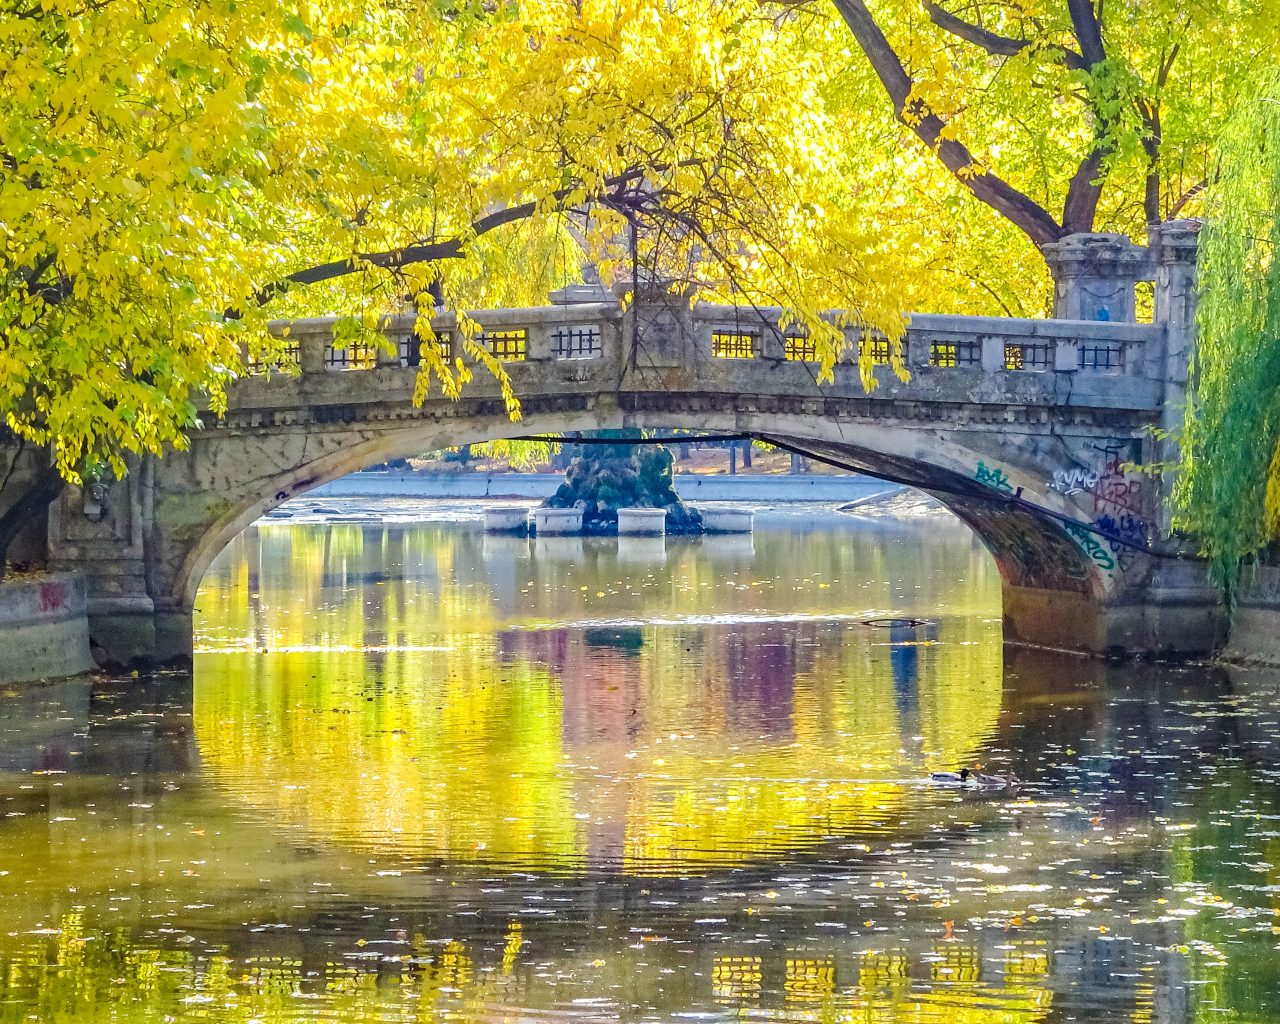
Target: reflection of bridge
1017, 425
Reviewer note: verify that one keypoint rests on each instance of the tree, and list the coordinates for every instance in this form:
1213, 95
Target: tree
1065, 116
221, 163
1228, 489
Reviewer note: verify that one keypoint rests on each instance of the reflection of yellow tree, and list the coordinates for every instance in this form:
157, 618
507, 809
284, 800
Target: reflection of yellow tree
404, 757
395, 713
89, 975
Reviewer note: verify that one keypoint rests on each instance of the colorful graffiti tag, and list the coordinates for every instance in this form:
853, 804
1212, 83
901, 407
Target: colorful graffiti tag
1092, 544
993, 477
1120, 493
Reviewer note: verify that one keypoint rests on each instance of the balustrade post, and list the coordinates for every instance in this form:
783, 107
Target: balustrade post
1094, 276
1174, 244
383, 356
670, 333
540, 347
992, 353
311, 348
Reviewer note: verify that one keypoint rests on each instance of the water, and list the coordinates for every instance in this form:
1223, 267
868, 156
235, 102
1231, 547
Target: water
419, 773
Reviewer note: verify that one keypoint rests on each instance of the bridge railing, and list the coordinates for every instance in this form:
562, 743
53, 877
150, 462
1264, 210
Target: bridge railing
943, 342
589, 330
534, 334
950, 358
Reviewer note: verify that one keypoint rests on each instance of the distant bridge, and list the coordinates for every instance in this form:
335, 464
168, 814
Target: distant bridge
1029, 430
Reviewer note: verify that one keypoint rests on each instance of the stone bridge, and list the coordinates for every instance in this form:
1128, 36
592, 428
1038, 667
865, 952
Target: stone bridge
1032, 431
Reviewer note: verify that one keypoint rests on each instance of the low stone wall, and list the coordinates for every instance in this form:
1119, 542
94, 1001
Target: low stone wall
1255, 625
772, 488
44, 631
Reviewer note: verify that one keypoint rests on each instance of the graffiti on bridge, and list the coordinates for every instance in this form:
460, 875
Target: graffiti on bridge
1120, 494
993, 477
1073, 481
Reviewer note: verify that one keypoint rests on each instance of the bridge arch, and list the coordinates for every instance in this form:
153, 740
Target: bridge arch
1033, 553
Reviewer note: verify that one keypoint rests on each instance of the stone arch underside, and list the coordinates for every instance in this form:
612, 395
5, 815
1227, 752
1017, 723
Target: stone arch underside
206, 497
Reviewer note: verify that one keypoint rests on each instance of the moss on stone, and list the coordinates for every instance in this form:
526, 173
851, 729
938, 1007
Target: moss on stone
188, 516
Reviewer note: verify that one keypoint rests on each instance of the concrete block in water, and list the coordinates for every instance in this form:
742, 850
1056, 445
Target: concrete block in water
44, 631
726, 520
553, 522
506, 520
642, 522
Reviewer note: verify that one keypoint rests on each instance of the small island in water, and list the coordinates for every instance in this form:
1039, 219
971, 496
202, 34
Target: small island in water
622, 476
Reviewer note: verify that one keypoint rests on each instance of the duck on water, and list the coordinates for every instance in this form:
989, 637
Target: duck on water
974, 777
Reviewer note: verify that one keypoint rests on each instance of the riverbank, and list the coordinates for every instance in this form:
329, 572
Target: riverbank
691, 487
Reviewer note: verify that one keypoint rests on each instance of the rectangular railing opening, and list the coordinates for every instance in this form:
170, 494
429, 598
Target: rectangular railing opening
877, 350
511, 346
1028, 356
734, 344
579, 341
953, 354
412, 347
356, 355
1106, 356
800, 349
290, 356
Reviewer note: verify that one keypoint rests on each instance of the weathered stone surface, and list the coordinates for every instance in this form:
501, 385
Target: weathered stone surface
44, 631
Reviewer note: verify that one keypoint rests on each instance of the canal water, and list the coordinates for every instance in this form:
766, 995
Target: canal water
420, 773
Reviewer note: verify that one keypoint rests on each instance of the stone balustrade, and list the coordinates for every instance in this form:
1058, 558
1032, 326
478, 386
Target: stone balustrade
948, 358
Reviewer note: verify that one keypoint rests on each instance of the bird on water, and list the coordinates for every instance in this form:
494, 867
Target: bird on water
974, 777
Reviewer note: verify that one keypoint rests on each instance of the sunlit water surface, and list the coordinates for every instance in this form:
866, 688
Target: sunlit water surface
421, 773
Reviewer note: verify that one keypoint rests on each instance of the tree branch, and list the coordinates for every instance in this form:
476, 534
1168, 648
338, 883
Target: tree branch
1023, 211
425, 252
1088, 32
1192, 193
992, 42
1084, 192
37, 497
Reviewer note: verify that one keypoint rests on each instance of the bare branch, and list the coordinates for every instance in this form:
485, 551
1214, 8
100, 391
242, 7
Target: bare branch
992, 42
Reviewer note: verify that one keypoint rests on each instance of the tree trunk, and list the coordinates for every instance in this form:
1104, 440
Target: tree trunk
39, 495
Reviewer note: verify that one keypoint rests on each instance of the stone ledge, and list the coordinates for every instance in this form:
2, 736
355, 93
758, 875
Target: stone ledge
44, 629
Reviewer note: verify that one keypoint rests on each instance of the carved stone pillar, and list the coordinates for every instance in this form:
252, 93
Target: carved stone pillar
664, 323
102, 533
1094, 276
1174, 245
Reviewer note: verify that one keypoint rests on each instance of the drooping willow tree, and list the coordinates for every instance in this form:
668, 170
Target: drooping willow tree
1228, 492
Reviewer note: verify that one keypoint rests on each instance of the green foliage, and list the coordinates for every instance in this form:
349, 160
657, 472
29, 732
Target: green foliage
1228, 493
520, 455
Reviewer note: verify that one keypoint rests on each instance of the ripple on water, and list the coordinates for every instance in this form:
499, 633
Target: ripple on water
421, 774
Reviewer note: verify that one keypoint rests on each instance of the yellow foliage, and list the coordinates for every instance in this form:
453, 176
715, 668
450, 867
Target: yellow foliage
168, 169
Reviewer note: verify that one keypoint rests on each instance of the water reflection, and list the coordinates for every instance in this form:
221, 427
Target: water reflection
424, 775
633, 705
